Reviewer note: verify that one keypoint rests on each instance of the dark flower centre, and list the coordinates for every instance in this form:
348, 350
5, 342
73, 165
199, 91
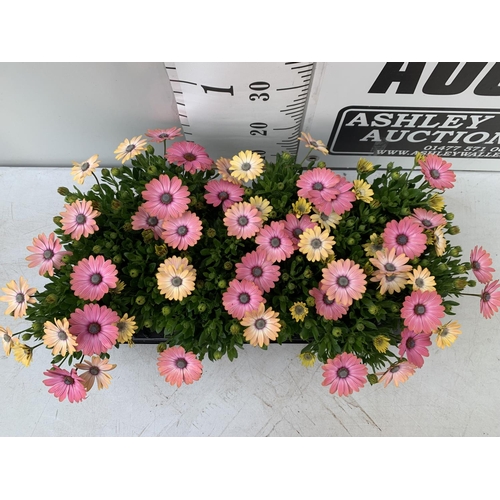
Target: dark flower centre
152, 221
395, 369
317, 186
434, 174
324, 217
419, 282
242, 220
182, 230
327, 301
166, 198
130, 148
389, 266
314, 144
20, 298
246, 166
419, 309
189, 157
244, 298
316, 243
260, 324
257, 272
62, 335
121, 325
48, 254
94, 328
476, 265
390, 278
223, 196
95, 279
427, 223
176, 281
80, 219
342, 372
401, 239
85, 166
68, 380
342, 281
299, 310
6, 337
181, 363
94, 370
297, 232
410, 343
163, 136
275, 242
486, 297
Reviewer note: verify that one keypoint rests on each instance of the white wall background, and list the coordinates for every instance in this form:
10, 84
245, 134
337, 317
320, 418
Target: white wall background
456, 393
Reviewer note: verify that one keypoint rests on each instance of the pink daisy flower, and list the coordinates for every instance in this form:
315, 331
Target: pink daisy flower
294, 227
79, 219
344, 374
328, 308
343, 201
406, 236
481, 261
166, 197
274, 240
490, 299
191, 155
422, 311
242, 220
240, 297
178, 366
223, 192
398, 373
92, 278
428, 219
318, 185
182, 232
437, 172
161, 135
64, 384
344, 281
255, 267
142, 219
415, 346
46, 253
94, 328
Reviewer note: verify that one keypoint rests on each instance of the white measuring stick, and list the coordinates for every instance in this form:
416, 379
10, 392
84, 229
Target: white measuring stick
230, 107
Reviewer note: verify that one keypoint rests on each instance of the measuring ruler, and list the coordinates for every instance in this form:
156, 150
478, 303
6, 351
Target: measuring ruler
230, 107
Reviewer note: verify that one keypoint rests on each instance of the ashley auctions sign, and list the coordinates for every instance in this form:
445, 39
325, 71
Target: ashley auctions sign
386, 111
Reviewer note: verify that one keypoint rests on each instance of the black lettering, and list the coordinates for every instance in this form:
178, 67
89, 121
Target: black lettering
206, 88
391, 72
490, 84
436, 84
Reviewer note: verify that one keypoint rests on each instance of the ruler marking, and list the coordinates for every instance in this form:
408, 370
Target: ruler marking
177, 92
184, 81
292, 63
295, 108
291, 88
305, 71
185, 116
304, 66
170, 67
180, 103
294, 114
188, 133
286, 128
301, 99
185, 125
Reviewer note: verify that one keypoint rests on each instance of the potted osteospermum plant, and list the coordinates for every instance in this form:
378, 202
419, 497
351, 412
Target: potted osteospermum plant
204, 257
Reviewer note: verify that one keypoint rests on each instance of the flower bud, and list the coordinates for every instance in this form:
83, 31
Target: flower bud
454, 230
351, 241
360, 327
382, 219
64, 191
471, 283
200, 284
372, 378
148, 323
395, 176
161, 347
140, 300
127, 227
96, 188
321, 164
105, 172
71, 198
134, 273
460, 283
150, 149
364, 166
202, 307
286, 156
424, 262
147, 235
117, 259
234, 329
57, 220
337, 332
455, 251
115, 248
308, 273
96, 249
405, 211
373, 309
372, 219
248, 191
379, 296
291, 286
51, 299
350, 222
285, 276
281, 186
449, 216
161, 250
116, 205
217, 355
272, 214
116, 171
299, 259
228, 265
165, 310
37, 327
375, 204
222, 284
442, 267
211, 232
152, 170
26, 336
310, 301
395, 307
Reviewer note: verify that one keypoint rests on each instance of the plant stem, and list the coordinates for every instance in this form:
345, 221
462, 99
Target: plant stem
471, 294
98, 183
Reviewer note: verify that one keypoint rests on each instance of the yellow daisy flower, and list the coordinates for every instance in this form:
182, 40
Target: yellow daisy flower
246, 165
364, 166
301, 207
175, 283
363, 191
421, 279
18, 297
326, 221
375, 245
58, 337
262, 326
126, 328
419, 157
299, 311
120, 285
94, 370
224, 169
307, 359
128, 149
84, 169
439, 241
22, 353
8, 340
381, 343
312, 143
316, 245
391, 283
436, 202
263, 206
447, 334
